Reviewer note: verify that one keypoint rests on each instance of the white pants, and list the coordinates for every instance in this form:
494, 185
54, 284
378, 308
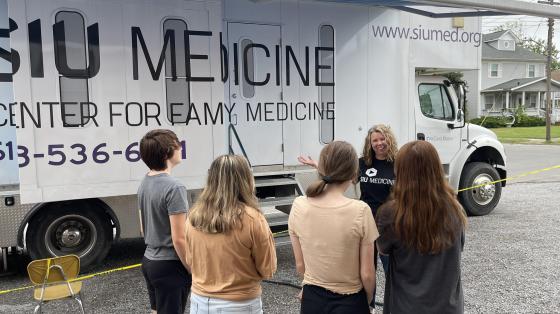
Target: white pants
206, 305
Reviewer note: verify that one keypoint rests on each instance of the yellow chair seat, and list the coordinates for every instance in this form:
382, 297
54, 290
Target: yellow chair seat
57, 291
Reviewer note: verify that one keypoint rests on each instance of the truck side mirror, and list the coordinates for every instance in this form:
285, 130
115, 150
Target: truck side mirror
461, 100
461, 97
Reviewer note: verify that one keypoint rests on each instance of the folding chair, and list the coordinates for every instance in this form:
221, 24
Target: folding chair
52, 278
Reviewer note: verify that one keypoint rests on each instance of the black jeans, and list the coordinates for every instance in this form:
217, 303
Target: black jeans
318, 300
169, 284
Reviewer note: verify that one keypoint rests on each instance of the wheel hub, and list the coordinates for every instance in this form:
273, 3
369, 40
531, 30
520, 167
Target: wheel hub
71, 237
70, 234
484, 191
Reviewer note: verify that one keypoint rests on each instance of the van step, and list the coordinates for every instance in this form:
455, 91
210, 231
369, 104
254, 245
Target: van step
282, 240
276, 201
276, 218
275, 181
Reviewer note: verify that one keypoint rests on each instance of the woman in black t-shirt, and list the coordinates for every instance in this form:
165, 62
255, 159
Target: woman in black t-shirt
376, 175
422, 228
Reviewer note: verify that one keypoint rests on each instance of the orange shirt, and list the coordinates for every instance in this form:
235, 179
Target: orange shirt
231, 266
330, 239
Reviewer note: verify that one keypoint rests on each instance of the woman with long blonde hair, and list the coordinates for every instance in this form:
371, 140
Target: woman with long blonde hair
422, 228
333, 238
230, 247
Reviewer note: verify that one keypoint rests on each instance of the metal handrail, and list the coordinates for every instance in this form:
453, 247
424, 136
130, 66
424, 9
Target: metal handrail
230, 129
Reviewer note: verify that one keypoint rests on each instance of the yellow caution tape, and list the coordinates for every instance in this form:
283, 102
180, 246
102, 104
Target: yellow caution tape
511, 178
101, 273
279, 233
110, 271
15, 289
106, 272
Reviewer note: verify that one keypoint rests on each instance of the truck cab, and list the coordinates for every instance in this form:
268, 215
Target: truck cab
471, 156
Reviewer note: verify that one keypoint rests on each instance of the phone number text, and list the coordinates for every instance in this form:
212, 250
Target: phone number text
77, 154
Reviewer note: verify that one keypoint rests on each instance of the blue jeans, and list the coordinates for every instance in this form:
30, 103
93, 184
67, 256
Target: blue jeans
206, 305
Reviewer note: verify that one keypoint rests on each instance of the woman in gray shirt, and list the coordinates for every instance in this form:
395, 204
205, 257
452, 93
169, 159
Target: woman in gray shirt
162, 200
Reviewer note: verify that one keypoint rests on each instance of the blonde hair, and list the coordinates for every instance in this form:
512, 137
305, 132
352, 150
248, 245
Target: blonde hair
229, 188
338, 163
385, 130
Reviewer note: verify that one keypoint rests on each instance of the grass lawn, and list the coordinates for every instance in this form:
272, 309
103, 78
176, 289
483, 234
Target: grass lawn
532, 135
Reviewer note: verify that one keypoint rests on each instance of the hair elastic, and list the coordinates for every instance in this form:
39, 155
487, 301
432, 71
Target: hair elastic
327, 179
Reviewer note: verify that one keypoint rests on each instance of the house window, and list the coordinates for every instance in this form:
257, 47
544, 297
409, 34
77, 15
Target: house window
177, 91
532, 100
531, 70
434, 102
494, 70
506, 45
488, 102
73, 90
326, 93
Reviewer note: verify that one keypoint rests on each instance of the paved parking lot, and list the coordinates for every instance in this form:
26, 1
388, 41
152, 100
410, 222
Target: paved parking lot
510, 262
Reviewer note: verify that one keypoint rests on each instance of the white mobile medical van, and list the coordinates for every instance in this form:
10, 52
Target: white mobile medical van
82, 81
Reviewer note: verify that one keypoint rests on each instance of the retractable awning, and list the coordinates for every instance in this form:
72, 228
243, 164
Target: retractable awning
466, 7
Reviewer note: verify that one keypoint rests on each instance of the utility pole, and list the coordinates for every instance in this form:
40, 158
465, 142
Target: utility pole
549, 71
549, 77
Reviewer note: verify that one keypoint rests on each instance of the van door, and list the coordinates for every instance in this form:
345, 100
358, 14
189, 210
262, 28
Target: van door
261, 139
435, 110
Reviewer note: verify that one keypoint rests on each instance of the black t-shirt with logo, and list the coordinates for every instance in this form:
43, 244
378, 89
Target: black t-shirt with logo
376, 182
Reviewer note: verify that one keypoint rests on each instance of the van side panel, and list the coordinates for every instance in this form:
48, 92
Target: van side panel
9, 172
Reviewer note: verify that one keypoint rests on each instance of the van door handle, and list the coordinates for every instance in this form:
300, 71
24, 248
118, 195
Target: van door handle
421, 136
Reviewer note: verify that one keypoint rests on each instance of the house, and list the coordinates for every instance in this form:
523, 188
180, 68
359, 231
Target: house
512, 77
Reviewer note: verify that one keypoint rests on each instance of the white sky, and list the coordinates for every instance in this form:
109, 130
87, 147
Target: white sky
532, 26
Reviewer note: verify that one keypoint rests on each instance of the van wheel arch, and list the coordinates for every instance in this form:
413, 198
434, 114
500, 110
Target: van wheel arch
82, 227
486, 164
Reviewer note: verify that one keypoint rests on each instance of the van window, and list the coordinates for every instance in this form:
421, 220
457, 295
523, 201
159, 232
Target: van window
248, 89
177, 92
434, 102
326, 93
73, 91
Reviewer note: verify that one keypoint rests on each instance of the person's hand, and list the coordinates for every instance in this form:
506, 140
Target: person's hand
307, 161
369, 298
300, 295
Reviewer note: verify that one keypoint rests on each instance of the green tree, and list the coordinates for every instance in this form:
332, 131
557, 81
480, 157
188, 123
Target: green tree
539, 46
536, 45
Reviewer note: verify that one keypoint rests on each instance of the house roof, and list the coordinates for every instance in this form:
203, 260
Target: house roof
519, 54
515, 84
493, 36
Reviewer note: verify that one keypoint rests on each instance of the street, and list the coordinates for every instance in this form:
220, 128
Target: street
509, 265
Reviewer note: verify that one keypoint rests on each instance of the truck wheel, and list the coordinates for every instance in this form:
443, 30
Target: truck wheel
72, 228
481, 200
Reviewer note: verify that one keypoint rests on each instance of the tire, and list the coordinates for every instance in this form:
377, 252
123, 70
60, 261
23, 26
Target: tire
479, 201
70, 228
